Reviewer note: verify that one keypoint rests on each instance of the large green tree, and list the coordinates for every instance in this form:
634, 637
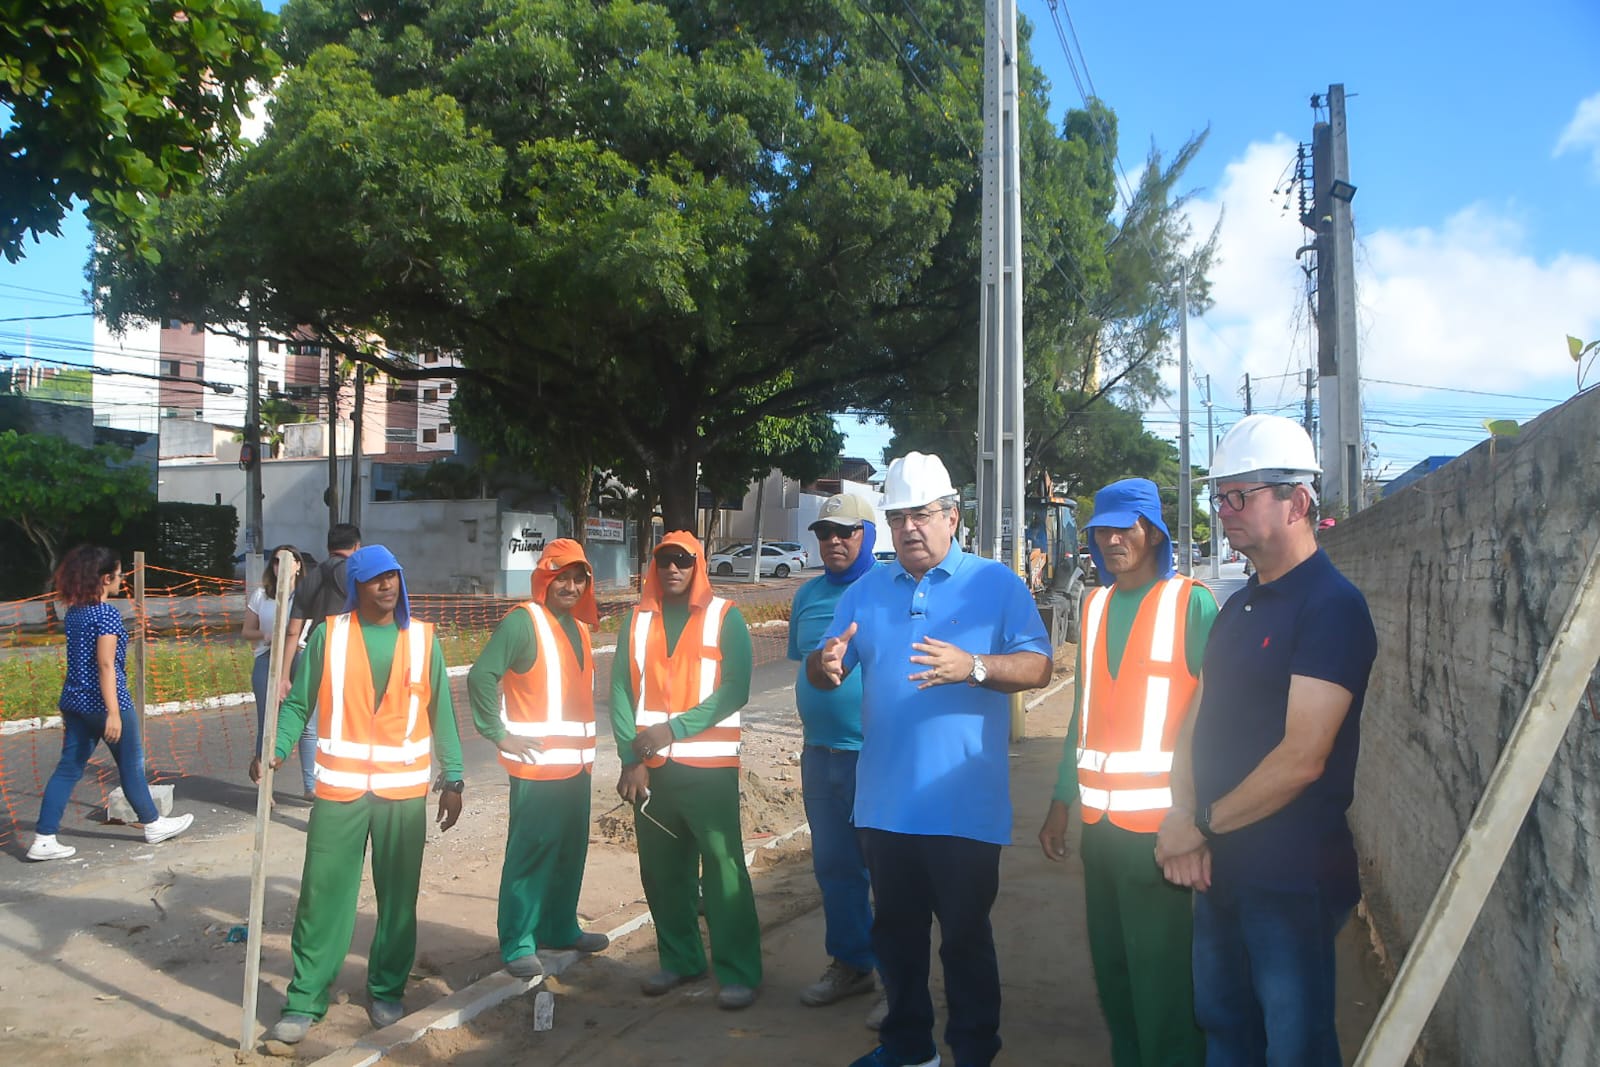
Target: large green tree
116, 103
654, 232
51, 488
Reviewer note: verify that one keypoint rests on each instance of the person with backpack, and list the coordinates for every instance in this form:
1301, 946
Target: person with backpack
321, 592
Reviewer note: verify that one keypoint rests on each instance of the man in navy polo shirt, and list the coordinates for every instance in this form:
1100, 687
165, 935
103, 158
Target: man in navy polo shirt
940, 637
1263, 779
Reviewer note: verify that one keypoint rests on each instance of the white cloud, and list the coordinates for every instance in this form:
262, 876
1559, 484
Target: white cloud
1583, 133
1464, 304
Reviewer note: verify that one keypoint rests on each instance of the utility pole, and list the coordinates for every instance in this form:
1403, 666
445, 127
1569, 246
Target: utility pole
1185, 545
1311, 385
1000, 458
252, 471
360, 381
1211, 455
1337, 360
1249, 409
333, 440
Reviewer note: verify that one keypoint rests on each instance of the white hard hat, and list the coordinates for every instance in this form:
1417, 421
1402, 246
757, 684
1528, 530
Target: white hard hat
915, 479
1269, 448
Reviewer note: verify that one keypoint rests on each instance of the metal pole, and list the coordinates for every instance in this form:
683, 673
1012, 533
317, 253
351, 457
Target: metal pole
358, 411
141, 639
1185, 545
1211, 451
1541, 725
333, 440
287, 566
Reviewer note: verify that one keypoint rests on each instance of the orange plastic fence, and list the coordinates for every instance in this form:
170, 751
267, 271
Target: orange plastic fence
200, 719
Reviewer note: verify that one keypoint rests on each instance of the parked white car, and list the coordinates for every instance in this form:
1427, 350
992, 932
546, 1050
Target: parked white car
776, 561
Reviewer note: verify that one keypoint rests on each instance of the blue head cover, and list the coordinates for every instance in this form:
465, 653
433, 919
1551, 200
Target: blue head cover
365, 564
865, 560
1121, 505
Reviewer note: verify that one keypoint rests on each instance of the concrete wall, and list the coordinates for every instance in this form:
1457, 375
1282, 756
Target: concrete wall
1468, 572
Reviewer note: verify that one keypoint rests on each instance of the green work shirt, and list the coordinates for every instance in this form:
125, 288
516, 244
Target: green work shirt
514, 648
1117, 625
380, 641
731, 694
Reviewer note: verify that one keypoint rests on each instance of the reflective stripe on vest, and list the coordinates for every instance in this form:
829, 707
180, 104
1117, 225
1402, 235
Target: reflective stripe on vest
1126, 736
363, 749
559, 695
718, 744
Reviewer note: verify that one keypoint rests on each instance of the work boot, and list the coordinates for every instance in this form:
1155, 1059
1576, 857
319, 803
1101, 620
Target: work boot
879, 1012
589, 943
291, 1029
525, 966
163, 828
385, 1013
665, 981
735, 997
839, 981
46, 847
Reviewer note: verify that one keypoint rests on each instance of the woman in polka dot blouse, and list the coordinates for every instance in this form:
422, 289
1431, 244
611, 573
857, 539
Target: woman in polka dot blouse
95, 703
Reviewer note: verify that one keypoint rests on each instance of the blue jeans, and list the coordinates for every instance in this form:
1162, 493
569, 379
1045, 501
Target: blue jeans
308, 740
916, 879
79, 736
828, 784
1263, 976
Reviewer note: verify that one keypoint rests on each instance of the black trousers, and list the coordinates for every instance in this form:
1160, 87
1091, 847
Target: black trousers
916, 879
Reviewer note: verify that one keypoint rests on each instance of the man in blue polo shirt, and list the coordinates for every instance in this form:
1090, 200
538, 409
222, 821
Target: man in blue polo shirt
940, 638
831, 719
1266, 772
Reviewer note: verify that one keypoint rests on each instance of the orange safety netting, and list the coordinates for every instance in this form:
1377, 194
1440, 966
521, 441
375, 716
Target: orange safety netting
200, 717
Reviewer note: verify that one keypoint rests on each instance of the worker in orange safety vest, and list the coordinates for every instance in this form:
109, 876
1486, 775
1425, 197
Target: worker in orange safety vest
682, 673
532, 694
1143, 641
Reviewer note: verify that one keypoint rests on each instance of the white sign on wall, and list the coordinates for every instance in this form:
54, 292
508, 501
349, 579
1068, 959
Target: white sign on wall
523, 537
605, 530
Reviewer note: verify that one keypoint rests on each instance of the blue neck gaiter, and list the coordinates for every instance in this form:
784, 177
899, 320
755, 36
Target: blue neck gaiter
864, 560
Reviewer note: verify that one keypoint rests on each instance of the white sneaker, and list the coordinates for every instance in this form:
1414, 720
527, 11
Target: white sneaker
158, 831
46, 847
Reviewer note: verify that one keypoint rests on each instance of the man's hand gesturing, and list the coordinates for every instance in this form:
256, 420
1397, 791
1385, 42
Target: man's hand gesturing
825, 666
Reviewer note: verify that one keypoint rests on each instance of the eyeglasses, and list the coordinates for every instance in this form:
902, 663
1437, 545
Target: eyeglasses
1235, 498
900, 519
681, 560
827, 531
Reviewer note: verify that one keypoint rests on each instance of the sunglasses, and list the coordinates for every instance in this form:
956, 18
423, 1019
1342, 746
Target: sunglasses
680, 560
827, 531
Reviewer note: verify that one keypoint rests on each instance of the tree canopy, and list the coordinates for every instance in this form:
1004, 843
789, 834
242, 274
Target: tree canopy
51, 488
116, 103
663, 237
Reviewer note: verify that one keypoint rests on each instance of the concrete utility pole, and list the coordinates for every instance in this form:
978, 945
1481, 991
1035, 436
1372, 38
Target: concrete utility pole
1211, 455
1000, 459
1311, 386
1337, 360
333, 440
252, 472
1185, 545
1249, 408
358, 411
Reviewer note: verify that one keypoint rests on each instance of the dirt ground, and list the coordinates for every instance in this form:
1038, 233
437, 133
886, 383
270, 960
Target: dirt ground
126, 960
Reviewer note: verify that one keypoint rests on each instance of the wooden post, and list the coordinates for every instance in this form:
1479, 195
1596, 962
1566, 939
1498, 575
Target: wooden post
141, 652
1515, 782
288, 565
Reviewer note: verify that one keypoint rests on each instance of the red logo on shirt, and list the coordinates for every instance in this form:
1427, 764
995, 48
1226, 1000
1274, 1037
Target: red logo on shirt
1265, 641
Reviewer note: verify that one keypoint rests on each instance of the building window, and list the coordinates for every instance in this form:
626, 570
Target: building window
447, 388
400, 435
199, 414
402, 394
431, 357
430, 396
430, 437
174, 324
444, 427
169, 413
272, 346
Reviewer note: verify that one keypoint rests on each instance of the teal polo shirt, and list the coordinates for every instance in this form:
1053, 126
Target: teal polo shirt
829, 717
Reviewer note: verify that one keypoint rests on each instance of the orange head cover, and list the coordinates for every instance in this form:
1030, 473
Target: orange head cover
559, 554
699, 585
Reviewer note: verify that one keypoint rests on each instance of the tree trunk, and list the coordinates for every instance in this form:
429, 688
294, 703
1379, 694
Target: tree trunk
678, 481
577, 493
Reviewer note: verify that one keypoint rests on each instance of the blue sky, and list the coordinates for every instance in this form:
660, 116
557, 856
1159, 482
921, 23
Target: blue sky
1474, 142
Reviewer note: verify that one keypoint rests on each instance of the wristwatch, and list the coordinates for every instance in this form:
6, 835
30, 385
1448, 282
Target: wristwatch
1202, 822
454, 786
979, 671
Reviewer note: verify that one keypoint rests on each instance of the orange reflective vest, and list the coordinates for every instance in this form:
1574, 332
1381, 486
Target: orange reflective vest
1130, 724
364, 745
665, 686
552, 701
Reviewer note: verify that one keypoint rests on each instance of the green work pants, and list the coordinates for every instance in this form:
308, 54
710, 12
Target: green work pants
1141, 932
325, 920
547, 842
701, 806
